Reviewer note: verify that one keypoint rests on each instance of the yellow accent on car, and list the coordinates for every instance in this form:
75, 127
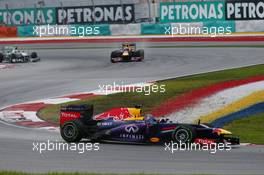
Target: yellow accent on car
135, 114
223, 132
220, 131
154, 139
135, 111
134, 118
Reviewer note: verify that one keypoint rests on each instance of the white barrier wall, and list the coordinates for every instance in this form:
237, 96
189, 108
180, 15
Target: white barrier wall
130, 29
249, 26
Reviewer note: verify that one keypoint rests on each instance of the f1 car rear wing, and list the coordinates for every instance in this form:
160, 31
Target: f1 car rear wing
73, 112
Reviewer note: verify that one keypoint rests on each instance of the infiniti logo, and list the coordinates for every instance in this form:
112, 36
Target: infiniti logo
131, 129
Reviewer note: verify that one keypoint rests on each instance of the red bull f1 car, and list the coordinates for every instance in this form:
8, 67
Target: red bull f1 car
127, 53
127, 125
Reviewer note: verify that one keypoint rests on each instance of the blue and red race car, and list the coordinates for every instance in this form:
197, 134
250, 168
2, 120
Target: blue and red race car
127, 125
127, 53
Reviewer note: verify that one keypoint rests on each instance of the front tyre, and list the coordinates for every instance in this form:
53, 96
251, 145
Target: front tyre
183, 134
113, 61
115, 54
71, 131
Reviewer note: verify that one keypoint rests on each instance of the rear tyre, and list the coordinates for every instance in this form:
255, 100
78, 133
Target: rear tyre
25, 59
34, 55
1, 57
183, 134
72, 131
141, 55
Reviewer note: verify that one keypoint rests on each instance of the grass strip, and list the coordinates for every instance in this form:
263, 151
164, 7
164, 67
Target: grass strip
250, 129
174, 87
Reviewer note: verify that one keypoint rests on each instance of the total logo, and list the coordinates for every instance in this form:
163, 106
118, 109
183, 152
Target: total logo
131, 128
70, 115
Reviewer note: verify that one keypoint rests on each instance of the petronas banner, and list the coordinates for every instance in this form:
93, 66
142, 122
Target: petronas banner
28, 16
192, 11
108, 14
103, 14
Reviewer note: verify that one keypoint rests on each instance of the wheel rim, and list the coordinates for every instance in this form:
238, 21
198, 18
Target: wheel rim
69, 131
182, 135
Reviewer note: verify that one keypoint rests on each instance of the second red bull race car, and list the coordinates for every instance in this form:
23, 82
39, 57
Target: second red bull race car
127, 125
127, 53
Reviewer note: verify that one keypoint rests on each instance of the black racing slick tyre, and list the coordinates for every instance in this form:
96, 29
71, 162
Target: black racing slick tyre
13, 58
112, 60
115, 54
72, 131
34, 55
141, 55
1, 57
184, 134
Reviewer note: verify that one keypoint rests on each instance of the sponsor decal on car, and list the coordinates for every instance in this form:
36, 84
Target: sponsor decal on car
132, 136
131, 128
70, 114
117, 114
105, 124
204, 141
154, 139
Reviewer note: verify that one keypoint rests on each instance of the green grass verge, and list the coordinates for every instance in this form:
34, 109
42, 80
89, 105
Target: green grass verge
174, 87
250, 129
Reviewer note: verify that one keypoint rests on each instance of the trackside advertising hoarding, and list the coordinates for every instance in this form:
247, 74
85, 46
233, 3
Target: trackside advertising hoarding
108, 14
28, 16
104, 14
245, 10
171, 12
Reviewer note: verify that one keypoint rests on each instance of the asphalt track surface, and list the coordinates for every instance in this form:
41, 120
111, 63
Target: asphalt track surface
65, 71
